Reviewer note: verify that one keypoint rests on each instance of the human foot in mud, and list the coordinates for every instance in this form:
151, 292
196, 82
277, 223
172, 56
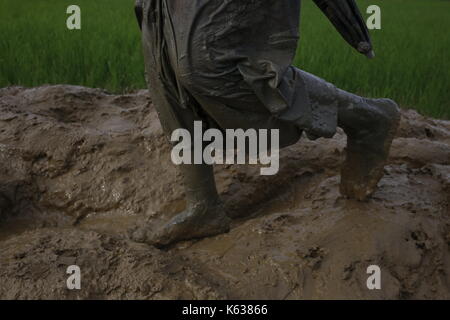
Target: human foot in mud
243, 88
370, 127
198, 221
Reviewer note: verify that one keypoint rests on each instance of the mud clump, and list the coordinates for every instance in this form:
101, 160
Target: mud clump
79, 167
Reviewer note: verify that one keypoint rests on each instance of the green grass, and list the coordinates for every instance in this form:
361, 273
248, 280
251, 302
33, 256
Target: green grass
36, 47
412, 64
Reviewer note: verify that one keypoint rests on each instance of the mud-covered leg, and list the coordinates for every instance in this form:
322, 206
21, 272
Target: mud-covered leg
204, 215
370, 125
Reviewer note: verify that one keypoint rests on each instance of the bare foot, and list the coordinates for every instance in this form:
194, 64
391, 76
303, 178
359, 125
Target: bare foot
198, 221
368, 149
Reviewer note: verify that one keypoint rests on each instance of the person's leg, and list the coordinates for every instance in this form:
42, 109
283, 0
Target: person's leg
370, 125
204, 214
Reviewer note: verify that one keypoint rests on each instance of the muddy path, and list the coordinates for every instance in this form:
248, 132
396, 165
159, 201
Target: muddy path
79, 167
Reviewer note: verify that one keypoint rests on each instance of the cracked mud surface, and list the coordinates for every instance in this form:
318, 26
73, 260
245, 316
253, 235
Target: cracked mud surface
79, 167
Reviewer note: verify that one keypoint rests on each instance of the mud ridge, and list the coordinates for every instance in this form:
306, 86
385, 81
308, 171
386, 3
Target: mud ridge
80, 166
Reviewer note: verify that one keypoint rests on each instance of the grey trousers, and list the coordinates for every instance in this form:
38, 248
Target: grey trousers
227, 63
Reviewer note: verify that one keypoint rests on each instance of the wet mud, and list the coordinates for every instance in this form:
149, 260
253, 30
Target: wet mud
79, 167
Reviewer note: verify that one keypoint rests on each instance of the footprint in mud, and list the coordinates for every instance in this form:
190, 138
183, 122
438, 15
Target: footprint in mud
314, 257
422, 241
276, 223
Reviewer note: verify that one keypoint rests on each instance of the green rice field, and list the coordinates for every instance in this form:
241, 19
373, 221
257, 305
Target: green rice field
412, 63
